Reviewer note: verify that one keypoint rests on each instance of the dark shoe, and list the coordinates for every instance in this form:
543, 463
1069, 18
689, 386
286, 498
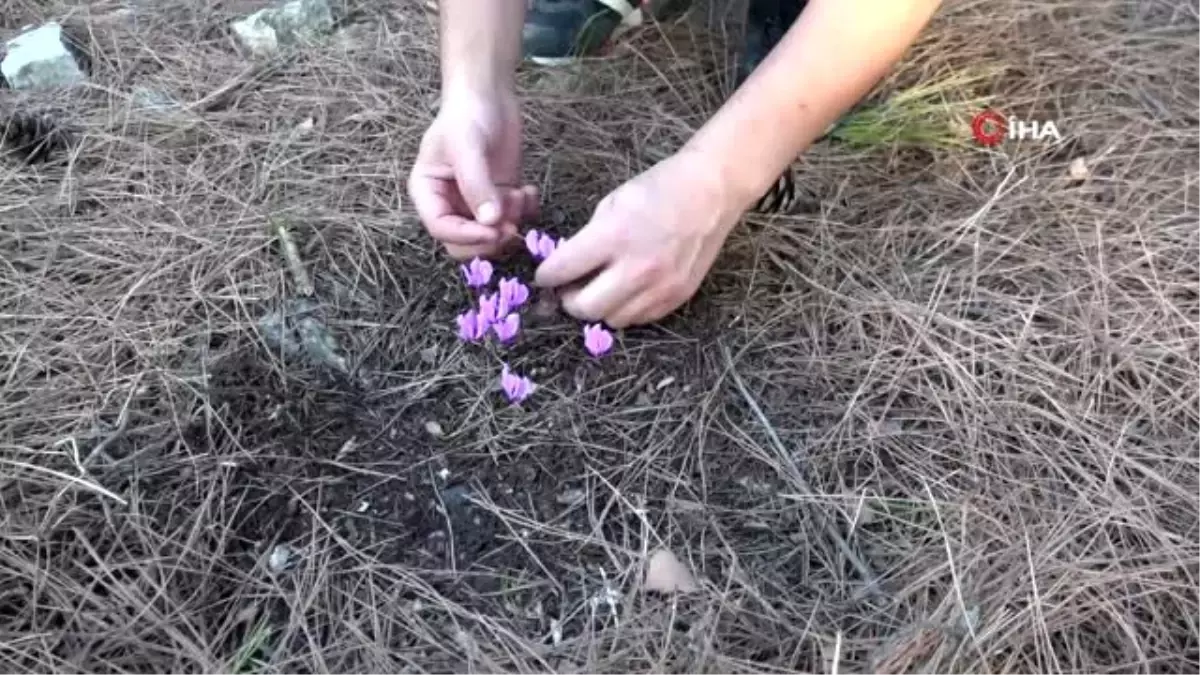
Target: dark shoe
767, 21
562, 31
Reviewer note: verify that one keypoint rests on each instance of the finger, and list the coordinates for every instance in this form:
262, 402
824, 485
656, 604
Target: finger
521, 204
509, 243
474, 178
437, 214
533, 202
603, 296
463, 253
575, 258
642, 309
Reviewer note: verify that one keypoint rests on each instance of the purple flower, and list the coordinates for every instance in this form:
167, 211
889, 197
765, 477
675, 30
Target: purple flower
597, 339
540, 245
517, 388
492, 307
478, 273
506, 328
513, 293
471, 326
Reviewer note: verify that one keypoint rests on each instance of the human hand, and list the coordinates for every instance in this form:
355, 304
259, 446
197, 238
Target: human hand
649, 243
465, 182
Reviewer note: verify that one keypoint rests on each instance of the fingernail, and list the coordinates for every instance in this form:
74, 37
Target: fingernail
488, 212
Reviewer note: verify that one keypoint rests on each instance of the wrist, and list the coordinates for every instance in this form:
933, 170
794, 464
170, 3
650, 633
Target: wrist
477, 89
710, 180
737, 185
477, 81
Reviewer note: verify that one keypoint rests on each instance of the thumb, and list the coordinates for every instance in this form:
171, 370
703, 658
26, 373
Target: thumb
474, 178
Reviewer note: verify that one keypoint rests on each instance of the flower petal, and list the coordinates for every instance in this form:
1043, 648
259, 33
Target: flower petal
532, 238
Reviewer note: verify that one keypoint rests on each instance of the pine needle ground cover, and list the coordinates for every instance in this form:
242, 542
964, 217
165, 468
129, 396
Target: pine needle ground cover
942, 417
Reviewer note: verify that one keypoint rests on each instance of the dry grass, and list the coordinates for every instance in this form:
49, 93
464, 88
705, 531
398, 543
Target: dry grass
979, 374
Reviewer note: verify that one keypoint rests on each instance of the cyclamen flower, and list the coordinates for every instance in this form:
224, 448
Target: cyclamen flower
513, 293
471, 326
515, 387
478, 273
597, 339
540, 245
492, 307
506, 329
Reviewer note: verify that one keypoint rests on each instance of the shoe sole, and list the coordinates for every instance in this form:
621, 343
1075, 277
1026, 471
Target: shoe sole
631, 21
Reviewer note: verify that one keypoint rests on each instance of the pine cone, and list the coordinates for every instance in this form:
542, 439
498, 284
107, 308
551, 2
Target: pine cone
781, 198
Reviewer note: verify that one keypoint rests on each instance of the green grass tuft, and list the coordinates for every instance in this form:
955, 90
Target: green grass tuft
932, 115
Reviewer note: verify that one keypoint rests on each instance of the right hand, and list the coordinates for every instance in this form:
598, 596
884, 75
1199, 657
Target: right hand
465, 183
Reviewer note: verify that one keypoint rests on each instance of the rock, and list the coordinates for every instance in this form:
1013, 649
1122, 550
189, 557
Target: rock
290, 24
295, 330
320, 345
279, 335
39, 59
666, 574
572, 497
434, 428
282, 558
1078, 169
152, 100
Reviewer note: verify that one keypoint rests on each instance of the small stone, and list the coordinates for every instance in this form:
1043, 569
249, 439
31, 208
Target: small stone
347, 448
571, 497
39, 59
666, 574
320, 345
456, 496
1078, 169
292, 23
152, 100
278, 335
281, 558
434, 429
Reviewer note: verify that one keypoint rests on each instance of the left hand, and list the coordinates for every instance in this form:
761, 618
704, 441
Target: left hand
649, 244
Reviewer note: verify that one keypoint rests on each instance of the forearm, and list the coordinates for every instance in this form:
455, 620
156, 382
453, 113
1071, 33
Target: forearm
832, 57
480, 43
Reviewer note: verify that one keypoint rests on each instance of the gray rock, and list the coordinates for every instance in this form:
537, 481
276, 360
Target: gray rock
152, 100
282, 558
297, 330
289, 24
320, 345
39, 59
